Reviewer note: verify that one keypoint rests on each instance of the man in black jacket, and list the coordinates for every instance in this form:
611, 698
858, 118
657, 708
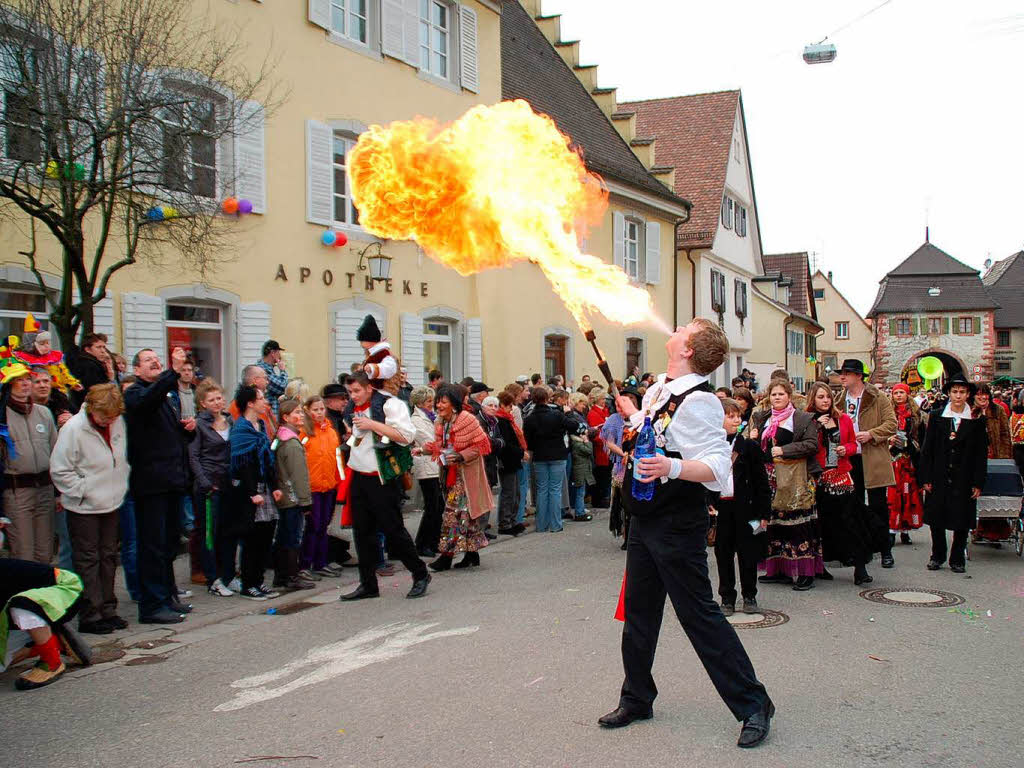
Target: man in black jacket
89, 366
158, 453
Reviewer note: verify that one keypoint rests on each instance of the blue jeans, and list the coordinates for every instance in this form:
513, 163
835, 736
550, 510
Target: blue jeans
290, 525
577, 492
129, 556
524, 487
549, 475
60, 524
188, 518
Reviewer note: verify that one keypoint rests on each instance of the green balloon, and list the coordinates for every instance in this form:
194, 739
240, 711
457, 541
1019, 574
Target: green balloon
930, 367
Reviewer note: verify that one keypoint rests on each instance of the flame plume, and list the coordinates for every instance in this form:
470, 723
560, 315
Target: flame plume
498, 186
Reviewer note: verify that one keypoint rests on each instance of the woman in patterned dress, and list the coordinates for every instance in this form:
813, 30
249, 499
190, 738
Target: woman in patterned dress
459, 447
794, 535
906, 512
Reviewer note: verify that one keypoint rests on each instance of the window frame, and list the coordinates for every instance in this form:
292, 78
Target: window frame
904, 327
8, 89
718, 304
740, 212
350, 140
427, 61
1000, 335
934, 326
1004, 365
187, 153
641, 248
740, 297
348, 14
430, 337
840, 324
727, 210
960, 326
640, 356
220, 327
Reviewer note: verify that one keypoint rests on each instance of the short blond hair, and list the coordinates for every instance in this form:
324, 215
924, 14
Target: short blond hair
710, 345
206, 386
104, 400
578, 397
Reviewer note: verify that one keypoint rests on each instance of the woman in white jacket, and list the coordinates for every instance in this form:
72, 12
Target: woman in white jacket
89, 466
424, 469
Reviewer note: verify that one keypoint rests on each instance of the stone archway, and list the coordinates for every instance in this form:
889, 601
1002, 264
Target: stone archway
951, 363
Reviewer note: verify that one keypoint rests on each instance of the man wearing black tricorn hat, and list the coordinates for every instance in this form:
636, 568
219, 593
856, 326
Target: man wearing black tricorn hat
952, 472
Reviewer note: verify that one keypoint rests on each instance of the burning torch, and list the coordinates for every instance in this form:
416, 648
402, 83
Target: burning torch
602, 364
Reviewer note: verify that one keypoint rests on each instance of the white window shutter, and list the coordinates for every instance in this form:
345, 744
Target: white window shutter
346, 348
412, 349
474, 348
392, 25
250, 156
253, 331
653, 242
319, 173
320, 13
468, 49
142, 323
411, 32
103, 320
619, 239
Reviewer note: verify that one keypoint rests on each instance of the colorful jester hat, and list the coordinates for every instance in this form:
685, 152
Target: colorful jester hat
10, 367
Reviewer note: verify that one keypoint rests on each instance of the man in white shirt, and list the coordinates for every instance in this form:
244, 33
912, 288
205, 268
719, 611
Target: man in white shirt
375, 493
667, 545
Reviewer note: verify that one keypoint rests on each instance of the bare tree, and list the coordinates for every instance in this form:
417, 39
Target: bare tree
123, 126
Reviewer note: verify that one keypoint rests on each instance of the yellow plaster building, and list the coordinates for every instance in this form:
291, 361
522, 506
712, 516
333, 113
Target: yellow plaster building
343, 74
846, 334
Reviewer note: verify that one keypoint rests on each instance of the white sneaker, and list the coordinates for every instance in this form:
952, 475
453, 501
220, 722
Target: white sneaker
252, 594
218, 589
235, 585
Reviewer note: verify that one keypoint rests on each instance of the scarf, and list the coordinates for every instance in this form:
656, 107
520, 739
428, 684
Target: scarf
249, 445
503, 414
24, 408
903, 414
459, 434
777, 418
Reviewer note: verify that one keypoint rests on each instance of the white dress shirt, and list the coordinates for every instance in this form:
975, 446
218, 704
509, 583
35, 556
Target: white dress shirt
396, 414
696, 432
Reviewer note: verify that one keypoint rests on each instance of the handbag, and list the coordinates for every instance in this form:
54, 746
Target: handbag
793, 487
712, 529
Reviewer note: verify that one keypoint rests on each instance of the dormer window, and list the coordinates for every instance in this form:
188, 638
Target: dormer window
934, 291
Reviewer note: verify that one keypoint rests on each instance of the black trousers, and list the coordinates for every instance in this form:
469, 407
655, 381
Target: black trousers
957, 552
377, 507
878, 500
725, 553
667, 554
429, 532
157, 525
256, 552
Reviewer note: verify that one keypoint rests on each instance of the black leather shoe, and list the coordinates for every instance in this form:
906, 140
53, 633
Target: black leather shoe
887, 561
804, 583
905, 538
116, 622
755, 728
178, 607
933, 565
98, 627
469, 560
776, 579
958, 568
419, 587
360, 593
862, 577
443, 563
620, 718
166, 616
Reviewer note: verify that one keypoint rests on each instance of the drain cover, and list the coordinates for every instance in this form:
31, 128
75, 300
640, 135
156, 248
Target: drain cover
759, 620
142, 660
284, 610
916, 597
103, 654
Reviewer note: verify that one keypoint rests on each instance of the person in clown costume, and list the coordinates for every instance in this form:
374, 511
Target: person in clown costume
906, 511
36, 349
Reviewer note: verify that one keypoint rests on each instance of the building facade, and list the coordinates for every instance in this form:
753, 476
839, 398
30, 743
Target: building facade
846, 334
344, 71
1005, 283
933, 305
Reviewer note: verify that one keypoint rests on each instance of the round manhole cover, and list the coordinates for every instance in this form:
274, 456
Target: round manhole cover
912, 596
141, 660
102, 655
759, 620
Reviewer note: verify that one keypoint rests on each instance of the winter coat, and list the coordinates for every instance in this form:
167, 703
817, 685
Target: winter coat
546, 430
479, 499
91, 475
751, 501
510, 455
423, 466
953, 467
157, 441
596, 417
877, 417
34, 436
998, 427
582, 461
846, 438
89, 371
322, 456
292, 472
805, 438
209, 455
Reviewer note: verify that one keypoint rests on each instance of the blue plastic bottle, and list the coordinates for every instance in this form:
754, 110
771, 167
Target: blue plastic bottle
645, 448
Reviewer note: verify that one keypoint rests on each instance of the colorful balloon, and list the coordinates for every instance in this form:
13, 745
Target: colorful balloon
930, 367
230, 206
170, 212
329, 237
340, 239
155, 213
244, 206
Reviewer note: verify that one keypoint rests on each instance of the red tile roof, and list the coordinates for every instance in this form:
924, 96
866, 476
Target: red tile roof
796, 267
694, 135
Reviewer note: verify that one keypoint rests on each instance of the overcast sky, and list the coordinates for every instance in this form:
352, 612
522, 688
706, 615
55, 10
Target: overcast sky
922, 110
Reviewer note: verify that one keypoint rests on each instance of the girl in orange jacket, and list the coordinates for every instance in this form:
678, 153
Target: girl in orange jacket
322, 457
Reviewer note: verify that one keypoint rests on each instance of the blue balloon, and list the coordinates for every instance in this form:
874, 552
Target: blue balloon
155, 214
329, 237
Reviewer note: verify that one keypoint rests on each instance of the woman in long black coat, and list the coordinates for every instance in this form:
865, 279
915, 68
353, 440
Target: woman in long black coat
952, 471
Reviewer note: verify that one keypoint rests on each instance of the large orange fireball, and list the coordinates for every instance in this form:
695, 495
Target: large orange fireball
499, 185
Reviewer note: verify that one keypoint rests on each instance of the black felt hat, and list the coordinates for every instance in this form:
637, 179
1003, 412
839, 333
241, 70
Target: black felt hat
368, 331
852, 366
959, 378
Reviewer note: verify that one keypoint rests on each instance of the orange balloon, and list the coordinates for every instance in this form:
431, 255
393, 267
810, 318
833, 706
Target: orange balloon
230, 205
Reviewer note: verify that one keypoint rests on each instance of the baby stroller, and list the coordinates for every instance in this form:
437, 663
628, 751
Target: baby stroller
1000, 507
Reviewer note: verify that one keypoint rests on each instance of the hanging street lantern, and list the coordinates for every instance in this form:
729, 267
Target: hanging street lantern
378, 265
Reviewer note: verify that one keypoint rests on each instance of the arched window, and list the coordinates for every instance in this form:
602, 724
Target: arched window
555, 355
198, 328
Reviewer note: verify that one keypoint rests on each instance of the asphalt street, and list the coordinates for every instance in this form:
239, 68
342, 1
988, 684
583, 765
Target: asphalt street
510, 664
